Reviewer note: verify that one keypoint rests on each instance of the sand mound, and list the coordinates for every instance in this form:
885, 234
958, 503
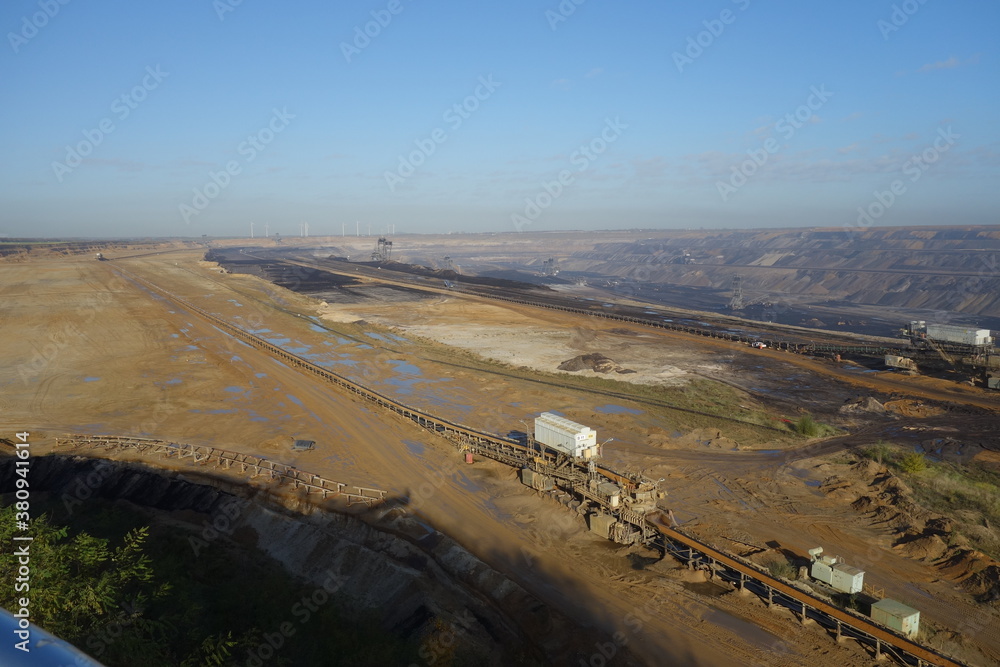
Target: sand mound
595, 361
700, 437
978, 573
862, 404
924, 547
839, 488
985, 584
868, 469
921, 534
912, 408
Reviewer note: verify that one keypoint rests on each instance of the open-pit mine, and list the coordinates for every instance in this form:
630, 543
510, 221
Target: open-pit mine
614, 448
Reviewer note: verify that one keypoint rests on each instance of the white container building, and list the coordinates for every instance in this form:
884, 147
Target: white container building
848, 579
956, 334
566, 436
898, 616
835, 573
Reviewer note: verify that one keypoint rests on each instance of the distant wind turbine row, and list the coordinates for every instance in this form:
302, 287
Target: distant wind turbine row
390, 230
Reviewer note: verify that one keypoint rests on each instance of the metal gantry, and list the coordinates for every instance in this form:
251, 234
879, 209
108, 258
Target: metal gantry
257, 466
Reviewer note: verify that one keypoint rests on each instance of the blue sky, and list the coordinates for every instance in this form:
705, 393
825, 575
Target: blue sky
600, 115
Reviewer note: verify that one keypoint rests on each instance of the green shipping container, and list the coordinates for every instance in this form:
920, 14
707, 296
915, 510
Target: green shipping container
896, 615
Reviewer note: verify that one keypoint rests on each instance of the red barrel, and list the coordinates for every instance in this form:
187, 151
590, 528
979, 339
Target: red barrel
468, 457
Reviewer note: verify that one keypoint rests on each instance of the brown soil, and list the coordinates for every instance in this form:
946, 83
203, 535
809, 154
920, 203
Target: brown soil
92, 353
596, 362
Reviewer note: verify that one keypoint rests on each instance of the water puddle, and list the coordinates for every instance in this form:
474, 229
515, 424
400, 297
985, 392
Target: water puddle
407, 376
340, 362
405, 367
612, 409
280, 342
468, 484
90, 378
416, 448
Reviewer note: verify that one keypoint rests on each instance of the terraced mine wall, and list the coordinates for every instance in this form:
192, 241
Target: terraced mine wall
411, 576
941, 269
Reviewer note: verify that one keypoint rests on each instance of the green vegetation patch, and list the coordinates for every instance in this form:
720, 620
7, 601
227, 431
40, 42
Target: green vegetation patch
118, 588
967, 494
806, 425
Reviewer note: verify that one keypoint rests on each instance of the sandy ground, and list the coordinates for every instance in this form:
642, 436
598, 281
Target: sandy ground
85, 351
533, 340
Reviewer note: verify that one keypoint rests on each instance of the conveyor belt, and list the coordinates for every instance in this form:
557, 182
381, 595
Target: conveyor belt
919, 654
510, 452
431, 422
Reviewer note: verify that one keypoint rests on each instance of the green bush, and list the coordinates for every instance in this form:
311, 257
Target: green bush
913, 463
780, 568
880, 452
808, 426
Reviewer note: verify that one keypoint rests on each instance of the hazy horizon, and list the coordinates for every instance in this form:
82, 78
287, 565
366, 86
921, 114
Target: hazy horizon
178, 121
